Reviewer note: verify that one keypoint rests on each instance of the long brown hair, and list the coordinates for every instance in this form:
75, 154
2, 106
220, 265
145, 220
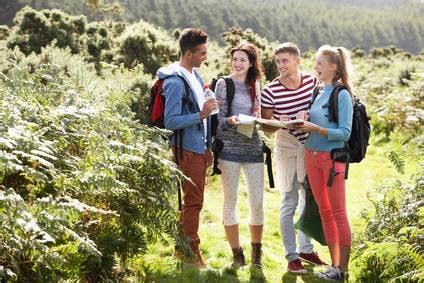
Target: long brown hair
254, 72
341, 57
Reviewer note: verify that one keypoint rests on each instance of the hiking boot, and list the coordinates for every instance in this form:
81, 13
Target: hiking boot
333, 273
295, 266
311, 258
238, 258
257, 254
201, 261
196, 261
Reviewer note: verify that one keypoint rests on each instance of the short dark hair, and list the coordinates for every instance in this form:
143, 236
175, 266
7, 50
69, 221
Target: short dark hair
287, 47
190, 38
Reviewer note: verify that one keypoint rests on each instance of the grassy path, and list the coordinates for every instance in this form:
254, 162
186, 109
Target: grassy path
162, 267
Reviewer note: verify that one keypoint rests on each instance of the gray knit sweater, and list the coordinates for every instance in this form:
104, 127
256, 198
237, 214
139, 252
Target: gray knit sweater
237, 147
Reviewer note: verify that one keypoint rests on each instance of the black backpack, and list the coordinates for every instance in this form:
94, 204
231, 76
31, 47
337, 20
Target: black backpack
218, 145
357, 145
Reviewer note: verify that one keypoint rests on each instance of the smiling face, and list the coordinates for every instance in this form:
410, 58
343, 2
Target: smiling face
287, 64
325, 70
240, 63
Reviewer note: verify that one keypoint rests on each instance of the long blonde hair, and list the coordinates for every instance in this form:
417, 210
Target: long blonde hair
341, 57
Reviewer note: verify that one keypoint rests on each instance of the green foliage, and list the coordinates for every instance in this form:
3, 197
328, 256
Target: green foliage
4, 32
392, 245
389, 261
142, 43
392, 106
386, 52
405, 75
367, 24
110, 42
78, 165
357, 53
68, 135
98, 39
35, 30
309, 24
44, 240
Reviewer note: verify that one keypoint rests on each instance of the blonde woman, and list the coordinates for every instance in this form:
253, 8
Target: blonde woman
325, 175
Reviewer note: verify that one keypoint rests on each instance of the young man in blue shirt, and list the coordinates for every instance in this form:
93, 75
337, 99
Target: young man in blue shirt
192, 117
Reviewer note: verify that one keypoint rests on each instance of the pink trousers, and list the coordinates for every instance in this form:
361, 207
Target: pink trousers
331, 200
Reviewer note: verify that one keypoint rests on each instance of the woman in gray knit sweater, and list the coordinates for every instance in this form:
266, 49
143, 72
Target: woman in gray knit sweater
240, 151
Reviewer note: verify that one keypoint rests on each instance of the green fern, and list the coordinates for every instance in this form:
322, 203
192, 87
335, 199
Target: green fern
397, 161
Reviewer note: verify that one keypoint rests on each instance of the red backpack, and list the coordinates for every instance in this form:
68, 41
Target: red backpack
156, 107
156, 112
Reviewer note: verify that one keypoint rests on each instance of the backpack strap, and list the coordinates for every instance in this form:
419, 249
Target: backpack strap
315, 93
333, 104
333, 116
218, 145
231, 90
268, 162
178, 134
185, 98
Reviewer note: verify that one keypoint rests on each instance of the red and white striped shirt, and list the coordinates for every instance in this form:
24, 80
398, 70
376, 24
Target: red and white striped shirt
285, 101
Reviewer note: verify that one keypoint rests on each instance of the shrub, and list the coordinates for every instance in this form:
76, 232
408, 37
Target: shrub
386, 261
4, 32
358, 53
70, 147
141, 43
405, 75
34, 30
392, 245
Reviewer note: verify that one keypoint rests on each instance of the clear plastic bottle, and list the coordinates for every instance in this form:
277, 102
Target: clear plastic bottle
208, 96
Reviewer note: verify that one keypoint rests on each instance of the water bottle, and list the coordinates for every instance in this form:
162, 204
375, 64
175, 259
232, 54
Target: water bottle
208, 96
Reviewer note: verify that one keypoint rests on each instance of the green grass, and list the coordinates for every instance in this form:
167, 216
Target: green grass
160, 266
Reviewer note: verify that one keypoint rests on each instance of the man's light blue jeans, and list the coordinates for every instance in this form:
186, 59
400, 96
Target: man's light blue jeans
289, 202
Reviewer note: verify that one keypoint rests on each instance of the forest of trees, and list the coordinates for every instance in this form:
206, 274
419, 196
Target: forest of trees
350, 23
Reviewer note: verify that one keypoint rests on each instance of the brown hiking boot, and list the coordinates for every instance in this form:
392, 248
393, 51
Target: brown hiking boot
199, 262
257, 254
238, 258
196, 261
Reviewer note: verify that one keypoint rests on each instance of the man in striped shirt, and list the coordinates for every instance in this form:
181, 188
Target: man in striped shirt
282, 99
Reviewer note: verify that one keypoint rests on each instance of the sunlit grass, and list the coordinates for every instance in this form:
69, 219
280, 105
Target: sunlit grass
363, 179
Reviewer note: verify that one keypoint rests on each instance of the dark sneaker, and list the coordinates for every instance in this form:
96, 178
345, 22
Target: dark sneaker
257, 254
238, 258
311, 258
333, 273
295, 266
